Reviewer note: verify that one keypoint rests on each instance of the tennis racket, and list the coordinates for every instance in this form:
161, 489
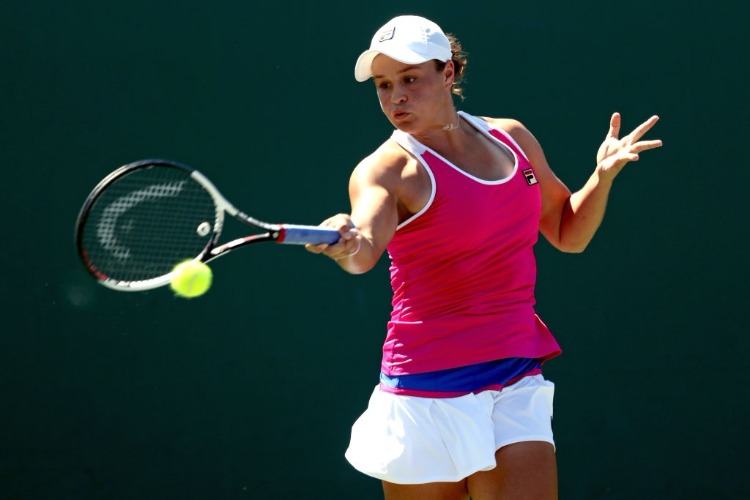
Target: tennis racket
146, 217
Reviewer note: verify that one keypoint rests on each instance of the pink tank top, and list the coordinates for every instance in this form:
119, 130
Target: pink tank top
463, 270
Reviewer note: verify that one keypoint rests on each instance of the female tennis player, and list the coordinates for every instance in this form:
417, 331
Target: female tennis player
461, 408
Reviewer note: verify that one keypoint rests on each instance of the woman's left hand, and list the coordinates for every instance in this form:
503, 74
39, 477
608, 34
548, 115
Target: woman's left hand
615, 153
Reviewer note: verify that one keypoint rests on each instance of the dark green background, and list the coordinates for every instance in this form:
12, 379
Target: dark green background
250, 391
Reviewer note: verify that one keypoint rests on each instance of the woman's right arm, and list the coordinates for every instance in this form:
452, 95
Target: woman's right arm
374, 217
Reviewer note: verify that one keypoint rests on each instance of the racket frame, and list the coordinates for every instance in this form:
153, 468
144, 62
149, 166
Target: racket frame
279, 233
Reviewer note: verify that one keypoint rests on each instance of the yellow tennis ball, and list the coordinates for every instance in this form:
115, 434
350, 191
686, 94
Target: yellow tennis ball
191, 278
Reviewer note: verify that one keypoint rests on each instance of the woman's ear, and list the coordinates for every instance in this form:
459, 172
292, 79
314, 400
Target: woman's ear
449, 73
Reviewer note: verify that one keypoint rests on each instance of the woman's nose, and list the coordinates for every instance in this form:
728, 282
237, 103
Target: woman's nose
398, 97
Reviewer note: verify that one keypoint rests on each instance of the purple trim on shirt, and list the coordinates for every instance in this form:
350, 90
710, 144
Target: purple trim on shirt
453, 382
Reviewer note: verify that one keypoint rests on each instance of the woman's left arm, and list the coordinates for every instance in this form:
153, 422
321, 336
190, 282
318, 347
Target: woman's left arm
570, 220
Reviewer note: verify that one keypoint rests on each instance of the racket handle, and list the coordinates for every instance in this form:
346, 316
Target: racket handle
301, 235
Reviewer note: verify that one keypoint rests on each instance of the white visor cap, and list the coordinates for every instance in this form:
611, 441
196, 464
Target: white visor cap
407, 39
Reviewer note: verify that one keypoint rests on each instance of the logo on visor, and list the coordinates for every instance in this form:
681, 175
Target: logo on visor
387, 35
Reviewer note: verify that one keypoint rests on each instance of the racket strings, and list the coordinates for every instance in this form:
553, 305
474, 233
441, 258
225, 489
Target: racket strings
147, 221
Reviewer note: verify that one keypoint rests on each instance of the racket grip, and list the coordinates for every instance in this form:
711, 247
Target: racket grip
301, 235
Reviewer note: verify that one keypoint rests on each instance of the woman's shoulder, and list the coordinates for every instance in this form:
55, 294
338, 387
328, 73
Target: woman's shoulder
389, 158
515, 129
509, 125
518, 132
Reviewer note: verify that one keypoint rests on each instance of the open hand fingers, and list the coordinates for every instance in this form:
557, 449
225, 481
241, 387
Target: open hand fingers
645, 145
614, 126
641, 129
633, 138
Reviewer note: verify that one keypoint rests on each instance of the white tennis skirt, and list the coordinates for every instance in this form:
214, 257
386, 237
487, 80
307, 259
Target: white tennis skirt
415, 440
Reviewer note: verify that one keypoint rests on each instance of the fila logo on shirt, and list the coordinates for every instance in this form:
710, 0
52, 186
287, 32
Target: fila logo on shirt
529, 174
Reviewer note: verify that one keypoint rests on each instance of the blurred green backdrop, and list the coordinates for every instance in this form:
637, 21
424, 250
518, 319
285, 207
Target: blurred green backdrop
250, 391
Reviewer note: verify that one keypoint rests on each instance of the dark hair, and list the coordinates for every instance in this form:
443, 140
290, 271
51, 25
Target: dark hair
459, 64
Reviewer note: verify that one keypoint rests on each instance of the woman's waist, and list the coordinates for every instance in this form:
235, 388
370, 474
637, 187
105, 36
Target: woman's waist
454, 382
448, 342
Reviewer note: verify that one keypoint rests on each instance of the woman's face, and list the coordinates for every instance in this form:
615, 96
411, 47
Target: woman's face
414, 97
